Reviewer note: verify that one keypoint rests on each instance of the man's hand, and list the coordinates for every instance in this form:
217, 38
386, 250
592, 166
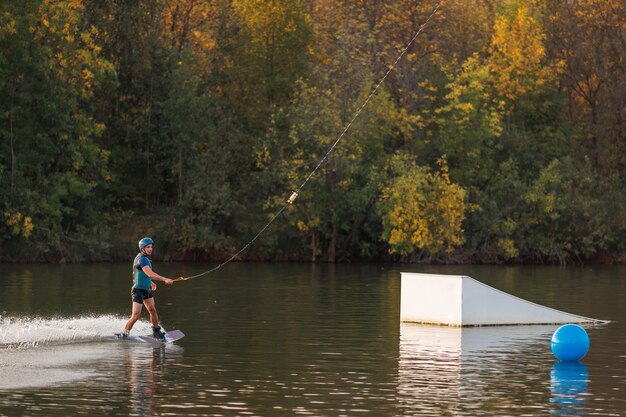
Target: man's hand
153, 286
168, 281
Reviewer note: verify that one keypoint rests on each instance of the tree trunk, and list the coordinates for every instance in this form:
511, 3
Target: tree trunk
13, 159
314, 245
356, 226
332, 246
180, 174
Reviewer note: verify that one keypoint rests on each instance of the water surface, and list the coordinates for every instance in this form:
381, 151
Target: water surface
292, 339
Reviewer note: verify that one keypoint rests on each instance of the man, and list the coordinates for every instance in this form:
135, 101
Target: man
143, 287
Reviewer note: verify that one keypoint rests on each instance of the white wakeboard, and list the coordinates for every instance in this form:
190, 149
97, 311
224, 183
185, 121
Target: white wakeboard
170, 337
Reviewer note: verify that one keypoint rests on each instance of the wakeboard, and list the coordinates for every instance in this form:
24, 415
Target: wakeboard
170, 337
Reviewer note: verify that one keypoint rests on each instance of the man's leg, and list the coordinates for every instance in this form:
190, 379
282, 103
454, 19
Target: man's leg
135, 314
151, 307
154, 319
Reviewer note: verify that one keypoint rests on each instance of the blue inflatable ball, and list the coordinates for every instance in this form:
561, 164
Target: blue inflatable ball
570, 343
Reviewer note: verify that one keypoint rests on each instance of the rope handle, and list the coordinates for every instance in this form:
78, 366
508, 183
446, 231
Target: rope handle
181, 279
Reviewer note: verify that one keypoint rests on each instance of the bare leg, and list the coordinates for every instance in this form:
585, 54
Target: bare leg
151, 307
136, 313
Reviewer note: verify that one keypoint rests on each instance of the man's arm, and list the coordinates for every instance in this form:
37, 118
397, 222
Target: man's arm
153, 275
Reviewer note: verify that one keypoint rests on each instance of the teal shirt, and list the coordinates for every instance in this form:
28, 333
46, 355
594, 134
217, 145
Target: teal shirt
142, 281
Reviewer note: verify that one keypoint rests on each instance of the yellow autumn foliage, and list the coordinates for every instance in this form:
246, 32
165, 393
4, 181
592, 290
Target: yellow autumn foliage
423, 210
74, 52
19, 223
518, 54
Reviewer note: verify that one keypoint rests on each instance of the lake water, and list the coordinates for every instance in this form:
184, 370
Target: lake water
299, 339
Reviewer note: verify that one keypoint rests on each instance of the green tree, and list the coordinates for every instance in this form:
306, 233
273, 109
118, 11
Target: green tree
571, 212
131, 37
56, 174
469, 125
336, 208
267, 52
207, 169
494, 229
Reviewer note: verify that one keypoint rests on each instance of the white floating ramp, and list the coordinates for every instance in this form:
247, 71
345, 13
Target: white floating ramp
457, 300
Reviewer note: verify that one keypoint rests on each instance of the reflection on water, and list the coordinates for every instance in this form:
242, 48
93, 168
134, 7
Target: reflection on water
144, 365
142, 379
446, 370
429, 368
568, 383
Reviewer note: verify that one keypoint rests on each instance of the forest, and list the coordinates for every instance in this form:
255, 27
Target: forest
499, 136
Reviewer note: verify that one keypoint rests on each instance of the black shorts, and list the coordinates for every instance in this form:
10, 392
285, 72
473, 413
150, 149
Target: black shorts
138, 295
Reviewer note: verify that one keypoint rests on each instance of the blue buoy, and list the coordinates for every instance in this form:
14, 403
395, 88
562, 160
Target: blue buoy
570, 343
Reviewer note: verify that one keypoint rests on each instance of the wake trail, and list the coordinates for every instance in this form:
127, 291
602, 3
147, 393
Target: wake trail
29, 332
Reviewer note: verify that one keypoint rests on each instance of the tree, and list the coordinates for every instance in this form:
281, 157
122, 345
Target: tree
131, 37
525, 81
587, 41
518, 55
469, 125
269, 52
570, 214
336, 208
51, 69
421, 210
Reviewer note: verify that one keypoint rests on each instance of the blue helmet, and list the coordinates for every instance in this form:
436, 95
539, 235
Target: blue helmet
145, 242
